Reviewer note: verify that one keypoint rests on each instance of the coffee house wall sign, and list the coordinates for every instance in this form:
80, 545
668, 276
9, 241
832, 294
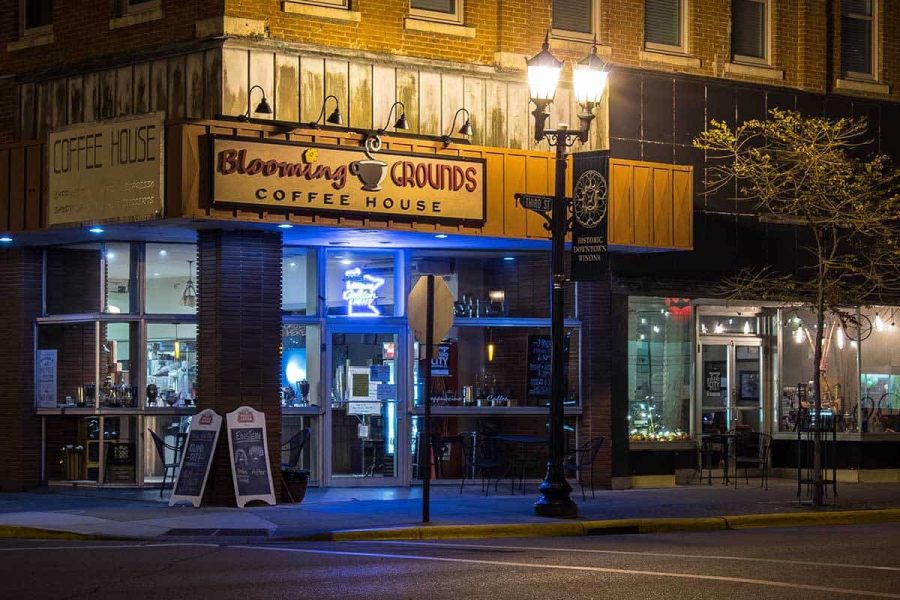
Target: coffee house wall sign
330, 179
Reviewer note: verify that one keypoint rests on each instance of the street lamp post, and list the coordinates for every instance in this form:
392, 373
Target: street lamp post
589, 78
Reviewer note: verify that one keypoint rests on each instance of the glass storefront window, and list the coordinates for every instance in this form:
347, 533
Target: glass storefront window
72, 449
300, 365
494, 284
298, 281
880, 410
309, 455
67, 355
729, 325
497, 366
360, 283
171, 364
172, 430
73, 279
840, 381
120, 296
170, 277
118, 355
120, 449
659, 369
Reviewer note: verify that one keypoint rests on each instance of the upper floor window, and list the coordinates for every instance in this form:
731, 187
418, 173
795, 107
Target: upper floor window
36, 13
573, 17
857, 38
750, 30
437, 10
665, 25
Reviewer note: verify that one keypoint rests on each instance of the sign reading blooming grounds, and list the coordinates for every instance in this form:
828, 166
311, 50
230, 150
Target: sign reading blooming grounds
336, 180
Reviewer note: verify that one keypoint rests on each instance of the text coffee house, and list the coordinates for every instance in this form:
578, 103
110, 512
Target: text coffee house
162, 268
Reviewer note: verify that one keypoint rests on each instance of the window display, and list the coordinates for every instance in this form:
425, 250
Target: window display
69, 351
171, 364
170, 278
659, 369
300, 365
118, 352
298, 281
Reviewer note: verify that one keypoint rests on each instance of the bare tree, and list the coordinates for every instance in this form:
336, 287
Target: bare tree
808, 172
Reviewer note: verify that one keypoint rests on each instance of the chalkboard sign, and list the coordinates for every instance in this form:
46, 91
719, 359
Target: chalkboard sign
249, 456
540, 352
540, 355
196, 458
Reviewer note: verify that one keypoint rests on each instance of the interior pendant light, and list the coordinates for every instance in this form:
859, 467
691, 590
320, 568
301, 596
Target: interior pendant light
490, 346
189, 296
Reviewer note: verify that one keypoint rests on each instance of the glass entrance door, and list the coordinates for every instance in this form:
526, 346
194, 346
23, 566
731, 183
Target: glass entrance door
365, 369
731, 390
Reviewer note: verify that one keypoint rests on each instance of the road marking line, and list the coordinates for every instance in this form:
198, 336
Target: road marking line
111, 547
501, 563
633, 553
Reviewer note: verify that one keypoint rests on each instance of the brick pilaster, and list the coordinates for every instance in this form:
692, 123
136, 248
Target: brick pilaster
20, 304
238, 338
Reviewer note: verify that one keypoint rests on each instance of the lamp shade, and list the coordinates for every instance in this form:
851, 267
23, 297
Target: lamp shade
335, 117
402, 123
590, 78
263, 107
543, 75
466, 129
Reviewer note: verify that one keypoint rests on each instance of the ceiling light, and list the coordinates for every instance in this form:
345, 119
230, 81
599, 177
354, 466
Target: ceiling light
509, 258
163, 253
110, 256
6, 239
441, 236
346, 262
96, 230
285, 226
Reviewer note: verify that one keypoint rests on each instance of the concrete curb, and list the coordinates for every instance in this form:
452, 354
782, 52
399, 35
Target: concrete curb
13, 532
607, 527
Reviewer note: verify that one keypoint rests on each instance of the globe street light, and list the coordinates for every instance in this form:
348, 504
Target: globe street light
590, 79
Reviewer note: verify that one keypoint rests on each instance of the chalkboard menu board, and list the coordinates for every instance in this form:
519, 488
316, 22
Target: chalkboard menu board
249, 456
540, 355
196, 458
540, 351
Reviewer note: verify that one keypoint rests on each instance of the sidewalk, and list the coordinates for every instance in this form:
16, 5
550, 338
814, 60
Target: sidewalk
141, 514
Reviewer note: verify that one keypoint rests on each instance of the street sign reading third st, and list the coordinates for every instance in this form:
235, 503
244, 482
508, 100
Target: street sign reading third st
535, 202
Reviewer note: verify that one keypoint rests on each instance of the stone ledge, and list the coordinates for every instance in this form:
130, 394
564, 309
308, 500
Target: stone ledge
413, 24
674, 60
868, 87
572, 44
321, 12
758, 71
136, 18
510, 61
35, 39
219, 26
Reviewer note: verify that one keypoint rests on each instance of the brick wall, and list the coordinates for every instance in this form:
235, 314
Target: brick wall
239, 337
20, 303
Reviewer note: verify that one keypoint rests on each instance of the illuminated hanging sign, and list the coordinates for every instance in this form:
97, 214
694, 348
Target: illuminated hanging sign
361, 293
348, 181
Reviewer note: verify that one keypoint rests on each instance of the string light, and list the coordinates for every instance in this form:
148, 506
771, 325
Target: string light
746, 327
879, 323
798, 335
840, 338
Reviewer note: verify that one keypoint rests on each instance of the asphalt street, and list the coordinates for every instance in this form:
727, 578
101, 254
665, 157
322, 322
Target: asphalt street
797, 563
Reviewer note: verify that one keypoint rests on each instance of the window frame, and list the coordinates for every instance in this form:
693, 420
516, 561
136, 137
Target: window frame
684, 48
126, 8
874, 62
766, 59
28, 32
455, 18
565, 34
336, 4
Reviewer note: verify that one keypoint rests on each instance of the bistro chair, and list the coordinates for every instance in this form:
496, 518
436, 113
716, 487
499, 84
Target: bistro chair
582, 460
484, 458
294, 478
713, 452
168, 466
751, 450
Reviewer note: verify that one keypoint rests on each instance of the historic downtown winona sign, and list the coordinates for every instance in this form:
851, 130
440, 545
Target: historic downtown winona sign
361, 181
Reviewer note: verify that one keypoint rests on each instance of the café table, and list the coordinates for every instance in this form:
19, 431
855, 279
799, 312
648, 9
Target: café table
529, 444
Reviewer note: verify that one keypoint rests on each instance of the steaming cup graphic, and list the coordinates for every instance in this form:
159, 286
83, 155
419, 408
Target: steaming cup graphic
371, 172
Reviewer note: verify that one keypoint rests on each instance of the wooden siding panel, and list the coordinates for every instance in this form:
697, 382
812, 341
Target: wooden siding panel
212, 95
177, 88
235, 75
513, 181
473, 99
642, 206
76, 99
496, 116
287, 87
408, 94
159, 85
537, 176
683, 194
337, 84
312, 88
495, 192
194, 75
621, 223
451, 102
91, 97
518, 116
141, 88
430, 103
360, 101
384, 93
262, 73
27, 116
108, 94
124, 91
60, 99
17, 189
662, 209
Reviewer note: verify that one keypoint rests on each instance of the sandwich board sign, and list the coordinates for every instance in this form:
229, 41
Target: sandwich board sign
249, 456
196, 458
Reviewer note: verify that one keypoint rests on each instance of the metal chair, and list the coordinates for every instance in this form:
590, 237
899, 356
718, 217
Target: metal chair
175, 464
751, 450
575, 462
485, 458
291, 473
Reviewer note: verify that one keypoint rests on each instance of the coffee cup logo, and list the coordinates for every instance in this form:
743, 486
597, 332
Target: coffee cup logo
371, 172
